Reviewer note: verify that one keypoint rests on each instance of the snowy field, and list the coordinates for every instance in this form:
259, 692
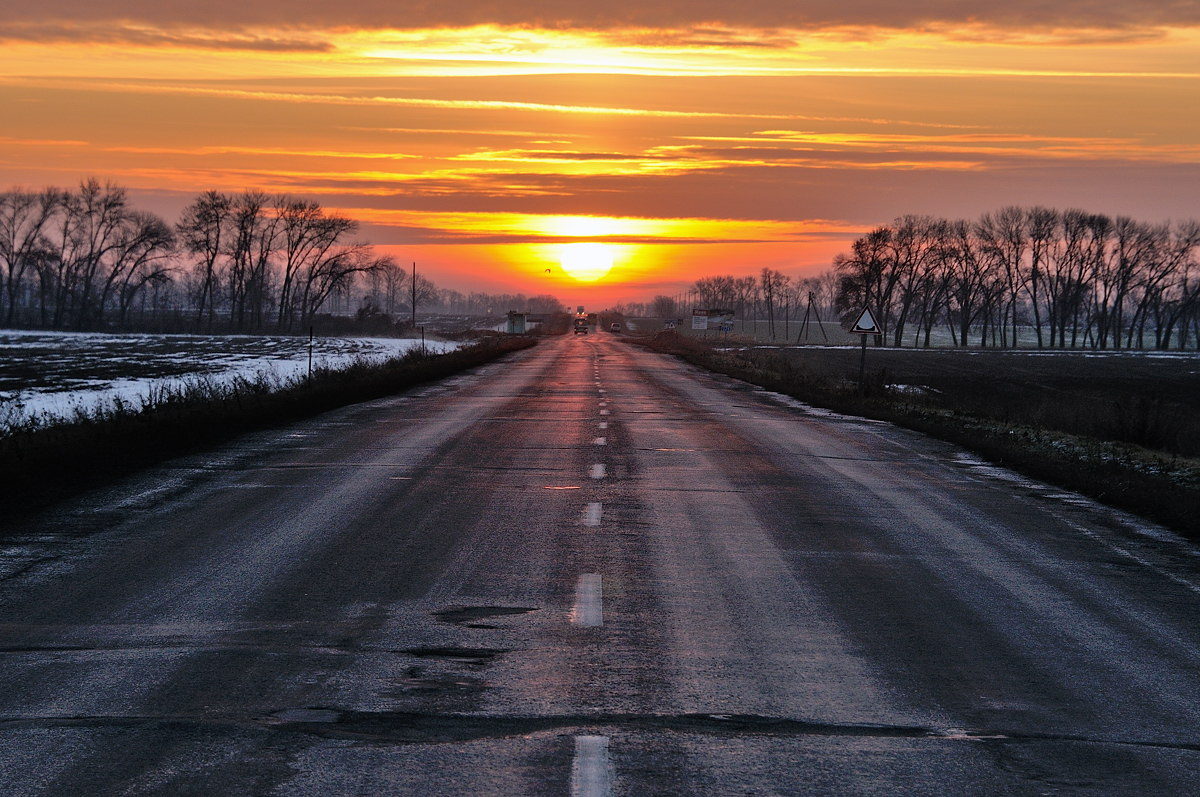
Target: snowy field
52, 374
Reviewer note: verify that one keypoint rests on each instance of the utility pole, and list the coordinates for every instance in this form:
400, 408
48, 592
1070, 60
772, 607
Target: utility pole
414, 296
811, 309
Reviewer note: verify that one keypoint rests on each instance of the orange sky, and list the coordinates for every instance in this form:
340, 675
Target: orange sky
503, 151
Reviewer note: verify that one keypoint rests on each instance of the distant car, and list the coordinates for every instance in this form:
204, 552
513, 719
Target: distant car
614, 327
581, 326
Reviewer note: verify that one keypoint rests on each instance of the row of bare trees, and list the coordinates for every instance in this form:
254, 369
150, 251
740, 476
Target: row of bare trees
772, 296
270, 259
86, 259
83, 259
495, 304
1029, 276
67, 258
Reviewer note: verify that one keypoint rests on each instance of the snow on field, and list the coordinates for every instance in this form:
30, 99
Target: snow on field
52, 374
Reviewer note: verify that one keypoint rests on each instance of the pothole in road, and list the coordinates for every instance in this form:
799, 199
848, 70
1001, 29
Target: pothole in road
476, 657
307, 715
416, 680
468, 615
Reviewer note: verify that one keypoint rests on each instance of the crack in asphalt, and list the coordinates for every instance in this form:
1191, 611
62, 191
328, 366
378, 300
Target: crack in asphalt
398, 727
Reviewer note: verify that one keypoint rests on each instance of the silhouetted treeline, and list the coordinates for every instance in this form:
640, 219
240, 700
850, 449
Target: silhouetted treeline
1064, 278
250, 262
772, 297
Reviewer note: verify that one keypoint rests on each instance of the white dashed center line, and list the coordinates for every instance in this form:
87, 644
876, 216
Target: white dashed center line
604, 412
599, 441
603, 424
589, 601
591, 514
591, 769
597, 471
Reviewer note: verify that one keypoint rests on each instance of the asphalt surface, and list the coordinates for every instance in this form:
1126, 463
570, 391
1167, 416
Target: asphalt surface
593, 569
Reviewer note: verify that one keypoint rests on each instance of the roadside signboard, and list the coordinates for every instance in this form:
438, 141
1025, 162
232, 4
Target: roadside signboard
699, 319
866, 325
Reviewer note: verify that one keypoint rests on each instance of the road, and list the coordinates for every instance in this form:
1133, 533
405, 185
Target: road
593, 569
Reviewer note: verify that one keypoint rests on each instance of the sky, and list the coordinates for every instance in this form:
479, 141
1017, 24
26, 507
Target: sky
609, 151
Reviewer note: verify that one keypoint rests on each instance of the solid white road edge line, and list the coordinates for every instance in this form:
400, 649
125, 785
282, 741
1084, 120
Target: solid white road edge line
591, 768
589, 601
592, 513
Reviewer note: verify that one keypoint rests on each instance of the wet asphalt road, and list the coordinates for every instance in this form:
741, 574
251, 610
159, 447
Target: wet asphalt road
595, 569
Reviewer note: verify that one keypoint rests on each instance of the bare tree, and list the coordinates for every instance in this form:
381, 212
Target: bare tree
1004, 237
144, 248
24, 219
201, 231
774, 285
93, 218
663, 307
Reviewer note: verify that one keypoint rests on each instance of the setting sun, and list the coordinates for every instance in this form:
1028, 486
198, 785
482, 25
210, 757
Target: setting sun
586, 262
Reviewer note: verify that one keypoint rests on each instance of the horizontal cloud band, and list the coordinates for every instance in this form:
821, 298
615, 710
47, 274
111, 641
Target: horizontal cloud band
695, 15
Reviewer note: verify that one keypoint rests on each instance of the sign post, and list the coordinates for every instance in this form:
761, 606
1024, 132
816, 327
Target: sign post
310, 345
865, 325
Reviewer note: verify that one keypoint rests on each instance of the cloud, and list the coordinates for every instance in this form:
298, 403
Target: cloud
308, 97
52, 32
703, 21
560, 156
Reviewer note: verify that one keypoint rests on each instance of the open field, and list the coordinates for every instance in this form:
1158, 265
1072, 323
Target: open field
52, 374
1148, 399
831, 332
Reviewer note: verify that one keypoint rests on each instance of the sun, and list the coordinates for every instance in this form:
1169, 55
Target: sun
586, 262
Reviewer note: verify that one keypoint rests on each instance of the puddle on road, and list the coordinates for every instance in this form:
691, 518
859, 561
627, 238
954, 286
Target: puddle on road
468, 615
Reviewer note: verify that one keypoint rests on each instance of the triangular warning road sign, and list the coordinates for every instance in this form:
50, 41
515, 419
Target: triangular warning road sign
865, 325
